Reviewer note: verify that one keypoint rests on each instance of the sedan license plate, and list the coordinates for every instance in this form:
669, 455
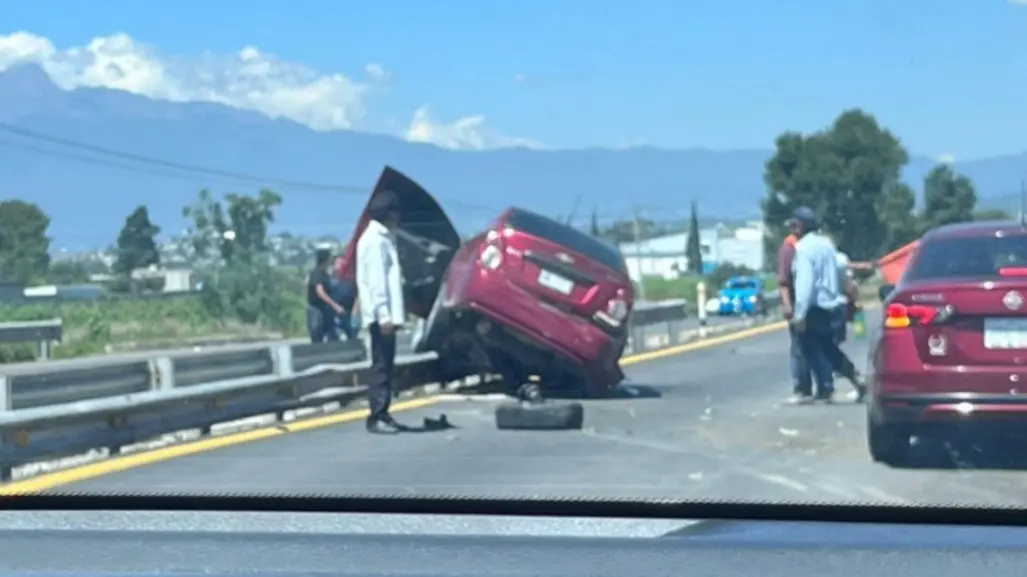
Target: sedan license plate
1005, 333
555, 282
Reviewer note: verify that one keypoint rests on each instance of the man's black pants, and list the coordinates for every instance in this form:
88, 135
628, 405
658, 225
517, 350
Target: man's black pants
383, 361
319, 325
819, 344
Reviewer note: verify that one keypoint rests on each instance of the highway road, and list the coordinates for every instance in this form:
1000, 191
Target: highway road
710, 423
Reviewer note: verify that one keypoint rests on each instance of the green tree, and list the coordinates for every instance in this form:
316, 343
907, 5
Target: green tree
239, 280
846, 174
137, 245
897, 209
992, 214
236, 233
24, 245
693, 244
949, 197
67, 272
210, 228
623, 231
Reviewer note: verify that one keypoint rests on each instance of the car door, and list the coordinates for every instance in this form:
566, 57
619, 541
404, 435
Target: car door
426, 241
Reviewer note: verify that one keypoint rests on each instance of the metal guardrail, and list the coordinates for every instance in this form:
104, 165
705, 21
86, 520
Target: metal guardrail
65, 408
663, 327
45, 333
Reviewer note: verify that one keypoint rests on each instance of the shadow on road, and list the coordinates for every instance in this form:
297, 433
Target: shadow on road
980, 452
625, 392
430, 425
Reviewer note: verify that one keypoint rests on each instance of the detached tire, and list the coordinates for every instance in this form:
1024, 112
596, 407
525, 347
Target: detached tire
520, 416
888, 444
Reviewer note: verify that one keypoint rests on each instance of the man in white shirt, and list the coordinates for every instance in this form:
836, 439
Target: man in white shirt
380, 290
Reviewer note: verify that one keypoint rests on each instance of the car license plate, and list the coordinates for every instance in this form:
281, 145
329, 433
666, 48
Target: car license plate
1005, 333
555, 282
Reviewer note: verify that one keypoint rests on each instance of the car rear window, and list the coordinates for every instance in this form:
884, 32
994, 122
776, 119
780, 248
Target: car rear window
568, 237
740, 285
968, 257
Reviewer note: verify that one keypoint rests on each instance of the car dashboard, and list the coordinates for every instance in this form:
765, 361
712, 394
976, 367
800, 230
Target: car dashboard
101, 543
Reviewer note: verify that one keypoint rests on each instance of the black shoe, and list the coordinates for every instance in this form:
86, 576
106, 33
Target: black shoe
861, 389
382, 426
825, 397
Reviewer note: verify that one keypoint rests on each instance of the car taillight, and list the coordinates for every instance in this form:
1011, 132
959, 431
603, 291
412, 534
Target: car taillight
617, 309
614, 313
1012, 271
491, 257
900, 316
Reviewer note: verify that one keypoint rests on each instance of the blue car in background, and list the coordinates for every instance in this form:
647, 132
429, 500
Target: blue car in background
742, 295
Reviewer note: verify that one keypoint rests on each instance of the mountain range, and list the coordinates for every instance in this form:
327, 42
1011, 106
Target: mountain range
62, 150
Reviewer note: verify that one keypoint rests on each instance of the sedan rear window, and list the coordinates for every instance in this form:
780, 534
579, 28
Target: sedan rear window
968, 257
741, 285
568, 237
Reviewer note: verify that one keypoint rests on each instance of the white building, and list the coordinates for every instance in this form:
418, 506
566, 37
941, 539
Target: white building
665, 256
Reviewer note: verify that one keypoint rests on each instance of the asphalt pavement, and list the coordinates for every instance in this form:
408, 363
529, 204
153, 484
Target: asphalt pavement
707, 424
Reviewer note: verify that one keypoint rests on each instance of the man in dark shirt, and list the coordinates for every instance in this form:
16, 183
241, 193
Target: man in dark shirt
802, 380
321, 308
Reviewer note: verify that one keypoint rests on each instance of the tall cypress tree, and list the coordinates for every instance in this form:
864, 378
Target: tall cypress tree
693, 247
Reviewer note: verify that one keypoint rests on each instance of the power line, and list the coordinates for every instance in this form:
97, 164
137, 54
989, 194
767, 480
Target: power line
177, 166
122, 160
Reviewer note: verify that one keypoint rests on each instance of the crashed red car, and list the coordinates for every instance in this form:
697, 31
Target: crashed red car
527, 297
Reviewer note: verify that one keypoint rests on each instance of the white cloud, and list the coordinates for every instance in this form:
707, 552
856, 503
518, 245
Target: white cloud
946, 158
377, 73
250, 79
470, 132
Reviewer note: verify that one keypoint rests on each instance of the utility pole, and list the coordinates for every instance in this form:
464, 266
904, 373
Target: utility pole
1023, 203
637, 226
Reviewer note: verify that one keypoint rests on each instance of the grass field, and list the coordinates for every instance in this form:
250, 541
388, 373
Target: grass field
107, 326
685, 287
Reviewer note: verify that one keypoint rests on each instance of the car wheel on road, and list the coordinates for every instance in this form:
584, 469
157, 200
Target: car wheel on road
540, 416
888, 443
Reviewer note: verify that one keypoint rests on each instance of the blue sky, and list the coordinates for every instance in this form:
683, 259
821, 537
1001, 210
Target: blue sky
948, 76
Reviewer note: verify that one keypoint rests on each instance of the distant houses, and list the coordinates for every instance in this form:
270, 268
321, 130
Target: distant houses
664, 256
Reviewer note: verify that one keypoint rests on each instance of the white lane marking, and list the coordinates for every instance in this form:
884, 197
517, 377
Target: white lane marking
883, 495
781, 481
829, 487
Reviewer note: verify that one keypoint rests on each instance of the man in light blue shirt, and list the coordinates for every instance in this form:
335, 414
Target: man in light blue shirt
820, 304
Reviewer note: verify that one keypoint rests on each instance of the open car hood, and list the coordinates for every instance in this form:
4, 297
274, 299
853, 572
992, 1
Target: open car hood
426, 241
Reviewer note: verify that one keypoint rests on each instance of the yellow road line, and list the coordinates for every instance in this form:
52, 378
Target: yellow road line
117, 464
703, 344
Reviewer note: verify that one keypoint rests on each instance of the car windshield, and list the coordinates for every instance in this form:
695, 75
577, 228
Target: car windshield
261, 249
566, 236
740, 285
969, 257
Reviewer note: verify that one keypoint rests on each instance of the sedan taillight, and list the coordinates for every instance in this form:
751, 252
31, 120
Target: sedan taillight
614, 314
491, 257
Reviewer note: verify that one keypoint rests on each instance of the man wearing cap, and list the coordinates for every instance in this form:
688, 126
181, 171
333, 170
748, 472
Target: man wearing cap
802, 384
819, 304
380, 291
